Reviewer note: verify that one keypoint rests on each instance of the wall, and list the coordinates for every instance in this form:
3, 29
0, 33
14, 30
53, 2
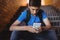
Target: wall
55, 3
8, 9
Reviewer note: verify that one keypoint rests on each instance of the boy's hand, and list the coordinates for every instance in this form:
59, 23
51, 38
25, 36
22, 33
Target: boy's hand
40, 29
32, 30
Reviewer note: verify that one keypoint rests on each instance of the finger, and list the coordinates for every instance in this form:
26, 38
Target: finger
37, 32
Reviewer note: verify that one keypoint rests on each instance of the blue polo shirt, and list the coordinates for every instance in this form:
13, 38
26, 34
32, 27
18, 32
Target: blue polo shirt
33, 19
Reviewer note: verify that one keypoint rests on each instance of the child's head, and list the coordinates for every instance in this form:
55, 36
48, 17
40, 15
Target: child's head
34, 6
35, 3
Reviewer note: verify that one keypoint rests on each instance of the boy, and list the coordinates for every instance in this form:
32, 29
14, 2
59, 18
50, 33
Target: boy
28, 32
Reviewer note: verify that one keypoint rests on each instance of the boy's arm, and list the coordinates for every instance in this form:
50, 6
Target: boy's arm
22, 28
47, 23
15, 26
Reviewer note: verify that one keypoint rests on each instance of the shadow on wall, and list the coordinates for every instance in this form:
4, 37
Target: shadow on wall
8, 8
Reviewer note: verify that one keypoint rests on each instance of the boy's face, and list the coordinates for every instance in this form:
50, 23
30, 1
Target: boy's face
34, 10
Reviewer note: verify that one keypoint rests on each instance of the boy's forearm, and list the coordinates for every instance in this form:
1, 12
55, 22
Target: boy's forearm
18, 28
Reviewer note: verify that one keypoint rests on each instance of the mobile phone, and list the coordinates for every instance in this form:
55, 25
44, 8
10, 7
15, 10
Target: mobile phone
36, 25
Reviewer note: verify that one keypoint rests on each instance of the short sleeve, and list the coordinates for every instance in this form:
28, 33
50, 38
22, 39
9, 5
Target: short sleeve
44, 15
22, 16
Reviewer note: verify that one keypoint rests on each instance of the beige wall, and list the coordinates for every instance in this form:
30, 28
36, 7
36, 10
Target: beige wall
48, 2
55, 3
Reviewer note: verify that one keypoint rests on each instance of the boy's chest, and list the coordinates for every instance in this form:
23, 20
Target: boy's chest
34, 19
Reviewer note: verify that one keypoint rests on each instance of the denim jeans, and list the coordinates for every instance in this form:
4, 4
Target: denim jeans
46, 35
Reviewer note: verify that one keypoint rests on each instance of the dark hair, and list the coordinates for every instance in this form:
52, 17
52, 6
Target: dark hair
36, 3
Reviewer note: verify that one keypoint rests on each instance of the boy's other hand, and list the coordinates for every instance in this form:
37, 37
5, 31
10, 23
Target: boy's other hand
32, 30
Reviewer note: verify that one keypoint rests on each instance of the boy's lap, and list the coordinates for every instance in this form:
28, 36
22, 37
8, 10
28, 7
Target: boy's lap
27, 35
